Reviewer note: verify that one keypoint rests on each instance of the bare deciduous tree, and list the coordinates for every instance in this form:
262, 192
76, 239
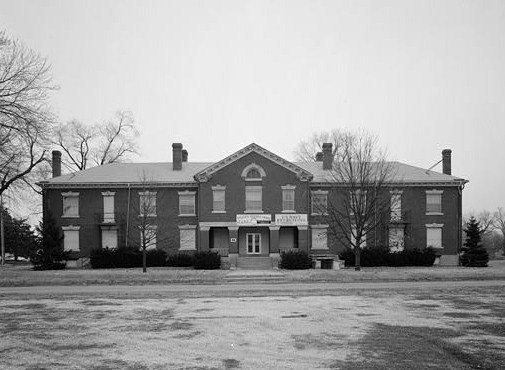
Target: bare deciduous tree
499, 223
306, 150
484, 218
25, 116
112, 141
357, 203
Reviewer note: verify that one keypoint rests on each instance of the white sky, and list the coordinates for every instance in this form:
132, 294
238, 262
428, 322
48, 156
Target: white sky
218, 75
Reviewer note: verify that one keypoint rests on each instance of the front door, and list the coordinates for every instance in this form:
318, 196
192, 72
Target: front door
253, 243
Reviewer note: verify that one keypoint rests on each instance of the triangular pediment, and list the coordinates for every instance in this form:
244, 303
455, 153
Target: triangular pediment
206, 174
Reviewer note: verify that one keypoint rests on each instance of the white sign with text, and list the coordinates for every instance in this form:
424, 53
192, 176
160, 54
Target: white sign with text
291, 219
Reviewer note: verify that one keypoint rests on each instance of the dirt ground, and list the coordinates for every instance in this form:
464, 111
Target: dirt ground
389, 327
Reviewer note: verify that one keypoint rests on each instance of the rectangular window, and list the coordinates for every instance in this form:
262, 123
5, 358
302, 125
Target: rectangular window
358, 202
396, 239
253, 199
187, 237
148, 237
218, 199
187, 203
109, 239
71, 238
108, 207
319, 202
288, 198
147, 203
319, 237
434, 202
396, 205
353, 238
70, 204
434, 235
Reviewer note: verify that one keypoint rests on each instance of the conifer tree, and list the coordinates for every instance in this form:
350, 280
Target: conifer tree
474, 253
51, 254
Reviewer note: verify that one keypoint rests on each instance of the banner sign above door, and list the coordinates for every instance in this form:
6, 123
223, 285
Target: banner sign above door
253, 219
291, 219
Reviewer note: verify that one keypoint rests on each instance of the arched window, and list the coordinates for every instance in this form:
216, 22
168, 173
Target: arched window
253, 172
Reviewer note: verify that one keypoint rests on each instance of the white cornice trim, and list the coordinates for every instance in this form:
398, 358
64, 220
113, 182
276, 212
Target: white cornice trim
206, 174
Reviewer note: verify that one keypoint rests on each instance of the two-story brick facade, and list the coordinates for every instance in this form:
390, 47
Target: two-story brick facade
252, 203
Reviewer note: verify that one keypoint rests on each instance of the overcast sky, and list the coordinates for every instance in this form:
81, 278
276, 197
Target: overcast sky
218, 75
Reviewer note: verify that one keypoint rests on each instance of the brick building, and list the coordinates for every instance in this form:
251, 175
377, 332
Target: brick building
250, 205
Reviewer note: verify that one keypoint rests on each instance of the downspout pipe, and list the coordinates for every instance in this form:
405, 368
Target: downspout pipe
127, 216
460, 221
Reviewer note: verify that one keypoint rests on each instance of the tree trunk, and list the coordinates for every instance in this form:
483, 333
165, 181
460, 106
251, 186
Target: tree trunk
357, 254
144, 262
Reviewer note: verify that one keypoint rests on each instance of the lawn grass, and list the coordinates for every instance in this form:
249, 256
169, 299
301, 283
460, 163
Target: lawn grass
23, 275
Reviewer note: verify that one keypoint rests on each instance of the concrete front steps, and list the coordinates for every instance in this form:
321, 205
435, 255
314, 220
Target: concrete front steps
254, 276
254, 263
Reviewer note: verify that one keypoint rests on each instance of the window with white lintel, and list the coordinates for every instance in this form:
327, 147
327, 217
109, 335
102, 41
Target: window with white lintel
70, 204
434, 202
288, 198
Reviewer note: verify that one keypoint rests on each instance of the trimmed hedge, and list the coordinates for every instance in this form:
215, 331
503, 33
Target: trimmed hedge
180, 260
206, 261
126, 258
295, 260
381, 256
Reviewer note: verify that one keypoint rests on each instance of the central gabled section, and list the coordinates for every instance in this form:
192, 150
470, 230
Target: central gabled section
206, 174
253, 203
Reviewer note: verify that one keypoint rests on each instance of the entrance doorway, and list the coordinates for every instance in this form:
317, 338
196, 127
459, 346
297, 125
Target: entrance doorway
253, 243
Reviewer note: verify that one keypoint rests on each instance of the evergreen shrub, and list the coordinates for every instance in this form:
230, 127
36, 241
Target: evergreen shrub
474, 254
180, 260
206, 261
50, 253
295, 260
382, 256
126, 258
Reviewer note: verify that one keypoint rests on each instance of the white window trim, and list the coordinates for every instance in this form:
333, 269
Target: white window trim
185, 228
70, 194
318, 192
289, 188
396, 193
250, 167
363, 237
253, 187
147, 194
434, 192
353, 194
435, 226
150, 228
219, 188
112, 218
187, 193
316, 228
71, 228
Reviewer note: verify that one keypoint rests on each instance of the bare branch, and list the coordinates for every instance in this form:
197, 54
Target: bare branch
25, 117
111, 142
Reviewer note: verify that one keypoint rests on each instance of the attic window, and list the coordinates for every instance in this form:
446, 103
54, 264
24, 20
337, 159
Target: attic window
253, 172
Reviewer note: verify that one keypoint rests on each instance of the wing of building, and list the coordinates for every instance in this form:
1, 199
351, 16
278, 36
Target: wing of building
252, 203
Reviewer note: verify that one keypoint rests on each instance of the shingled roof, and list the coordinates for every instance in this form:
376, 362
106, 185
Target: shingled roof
162, 173
403, 173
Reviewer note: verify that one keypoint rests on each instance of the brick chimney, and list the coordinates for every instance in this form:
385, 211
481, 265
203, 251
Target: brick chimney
319, 156
184, 155
327, 156
177, 156
446, 161
56, 163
